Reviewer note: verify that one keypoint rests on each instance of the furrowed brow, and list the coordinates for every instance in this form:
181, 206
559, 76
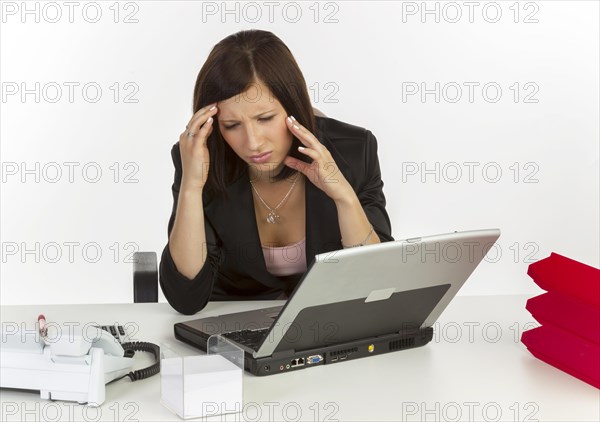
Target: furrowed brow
258, 115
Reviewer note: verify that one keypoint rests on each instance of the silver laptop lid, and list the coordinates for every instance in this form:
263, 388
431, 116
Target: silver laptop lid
375, 272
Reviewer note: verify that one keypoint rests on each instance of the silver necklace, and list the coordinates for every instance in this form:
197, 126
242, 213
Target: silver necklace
272, 216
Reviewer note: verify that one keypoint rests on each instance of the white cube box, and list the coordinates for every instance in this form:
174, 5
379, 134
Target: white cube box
194, 385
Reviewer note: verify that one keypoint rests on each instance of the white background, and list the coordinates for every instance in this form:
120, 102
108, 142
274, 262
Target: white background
356, 59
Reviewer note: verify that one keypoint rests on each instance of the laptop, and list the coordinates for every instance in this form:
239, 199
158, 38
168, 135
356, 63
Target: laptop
352, 303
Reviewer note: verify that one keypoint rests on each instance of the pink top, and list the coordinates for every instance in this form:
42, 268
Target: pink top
286, 260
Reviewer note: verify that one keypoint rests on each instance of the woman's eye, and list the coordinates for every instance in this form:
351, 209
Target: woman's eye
263, 119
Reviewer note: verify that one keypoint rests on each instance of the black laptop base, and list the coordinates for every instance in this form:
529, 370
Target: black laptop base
278, 364
324, 355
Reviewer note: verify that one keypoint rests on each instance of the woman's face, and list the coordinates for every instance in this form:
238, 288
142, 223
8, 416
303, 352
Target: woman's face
253, 124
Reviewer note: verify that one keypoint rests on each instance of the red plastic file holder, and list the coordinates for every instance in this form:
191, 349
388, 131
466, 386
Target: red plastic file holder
569, 338
569, 314
566, 276
565, 351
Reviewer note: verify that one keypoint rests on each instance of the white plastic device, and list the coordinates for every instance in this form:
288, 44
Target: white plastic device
67, 364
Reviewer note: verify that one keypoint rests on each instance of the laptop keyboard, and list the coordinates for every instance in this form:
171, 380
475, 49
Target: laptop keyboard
248, 338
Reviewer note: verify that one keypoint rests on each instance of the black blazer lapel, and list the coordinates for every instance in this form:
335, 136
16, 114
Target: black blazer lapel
322, 225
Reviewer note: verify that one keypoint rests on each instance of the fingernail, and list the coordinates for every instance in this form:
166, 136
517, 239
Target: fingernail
296, 127
293, 118
212, 108
289, 120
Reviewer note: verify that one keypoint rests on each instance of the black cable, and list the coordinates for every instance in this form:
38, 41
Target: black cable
142, 346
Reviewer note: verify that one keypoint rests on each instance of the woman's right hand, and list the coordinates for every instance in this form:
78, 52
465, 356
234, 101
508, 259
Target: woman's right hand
193, 149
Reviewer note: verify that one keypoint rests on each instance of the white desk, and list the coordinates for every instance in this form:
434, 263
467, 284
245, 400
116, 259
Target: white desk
474, 369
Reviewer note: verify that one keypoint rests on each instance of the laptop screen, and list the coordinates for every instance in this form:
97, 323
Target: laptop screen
357, 319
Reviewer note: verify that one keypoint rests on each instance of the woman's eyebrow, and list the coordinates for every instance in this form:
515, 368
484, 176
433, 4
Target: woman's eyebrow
258, 115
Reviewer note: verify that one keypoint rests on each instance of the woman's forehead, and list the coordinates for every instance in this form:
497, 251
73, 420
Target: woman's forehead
253, 100
256, 90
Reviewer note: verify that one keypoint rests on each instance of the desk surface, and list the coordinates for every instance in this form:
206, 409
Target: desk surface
474, 369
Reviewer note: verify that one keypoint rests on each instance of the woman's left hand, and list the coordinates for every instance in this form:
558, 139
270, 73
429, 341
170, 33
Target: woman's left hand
323, 172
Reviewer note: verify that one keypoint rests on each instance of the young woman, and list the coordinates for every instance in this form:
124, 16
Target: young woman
262, 185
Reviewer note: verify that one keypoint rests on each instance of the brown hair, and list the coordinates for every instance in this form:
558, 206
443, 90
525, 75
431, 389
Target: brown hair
233, 65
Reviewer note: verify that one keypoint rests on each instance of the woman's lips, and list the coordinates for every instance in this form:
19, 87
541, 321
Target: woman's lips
260, 159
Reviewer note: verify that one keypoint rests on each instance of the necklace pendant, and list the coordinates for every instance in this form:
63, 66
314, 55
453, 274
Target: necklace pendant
272, 217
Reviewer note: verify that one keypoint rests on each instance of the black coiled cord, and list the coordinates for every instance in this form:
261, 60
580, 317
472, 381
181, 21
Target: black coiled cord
142, 346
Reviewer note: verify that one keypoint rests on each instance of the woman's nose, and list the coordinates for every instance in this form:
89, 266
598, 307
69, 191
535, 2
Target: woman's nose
253, 138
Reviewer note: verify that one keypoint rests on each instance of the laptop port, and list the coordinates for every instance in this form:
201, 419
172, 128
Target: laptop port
334, 359
297, 362
314, 359
343, 357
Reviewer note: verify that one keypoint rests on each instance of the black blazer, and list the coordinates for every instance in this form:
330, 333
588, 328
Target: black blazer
235, 266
